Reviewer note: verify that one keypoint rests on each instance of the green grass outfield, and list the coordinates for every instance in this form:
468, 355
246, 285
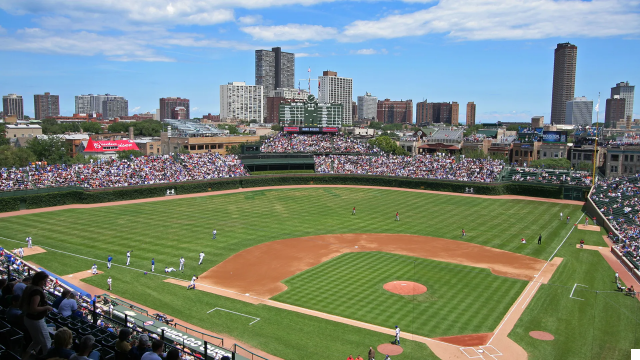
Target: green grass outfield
460, 299
169, 229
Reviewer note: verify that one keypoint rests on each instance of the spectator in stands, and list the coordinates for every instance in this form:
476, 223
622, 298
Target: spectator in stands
7, 292
85, 350
68, 306
14, 314
156, 351
136, 352
123, 345
34, 305
62, 341
58, 300
18, 289
172, 354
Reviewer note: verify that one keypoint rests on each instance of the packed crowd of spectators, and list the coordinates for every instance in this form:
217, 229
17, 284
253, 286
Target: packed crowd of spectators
625, 141
117, 173
325, 143
618, 199
437, 166
474, 138
579, 178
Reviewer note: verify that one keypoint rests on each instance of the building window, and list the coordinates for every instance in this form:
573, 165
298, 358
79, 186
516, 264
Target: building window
150, 146
615, 157
192, 147
626, 158
516, 153
631, 158
544, 154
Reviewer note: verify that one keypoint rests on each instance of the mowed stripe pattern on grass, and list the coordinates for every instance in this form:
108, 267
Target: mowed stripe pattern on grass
460, 299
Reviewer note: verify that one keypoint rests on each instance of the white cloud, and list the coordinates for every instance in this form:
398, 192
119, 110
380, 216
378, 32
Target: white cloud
301, 55
298, 32
194, 109
498, 19
133, 111
250, 19
364, 52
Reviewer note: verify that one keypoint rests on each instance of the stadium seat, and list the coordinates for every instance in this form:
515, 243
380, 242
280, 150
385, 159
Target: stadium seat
12, 340
106, 354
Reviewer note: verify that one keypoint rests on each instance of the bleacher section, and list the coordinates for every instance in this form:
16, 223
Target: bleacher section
564, 177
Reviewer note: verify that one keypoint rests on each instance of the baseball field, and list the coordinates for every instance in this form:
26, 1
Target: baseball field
303, 248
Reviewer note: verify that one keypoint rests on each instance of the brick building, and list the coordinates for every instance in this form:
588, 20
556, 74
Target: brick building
395, 112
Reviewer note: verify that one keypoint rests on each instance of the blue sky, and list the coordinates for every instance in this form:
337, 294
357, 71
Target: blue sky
496, 53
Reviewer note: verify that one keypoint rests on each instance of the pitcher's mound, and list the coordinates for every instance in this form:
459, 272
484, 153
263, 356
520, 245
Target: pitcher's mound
34, 250
541, 335
390, 349
589, 227
405, 288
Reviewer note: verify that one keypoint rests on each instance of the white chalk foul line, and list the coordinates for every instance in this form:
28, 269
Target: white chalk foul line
237, 313
574, 289
532, 292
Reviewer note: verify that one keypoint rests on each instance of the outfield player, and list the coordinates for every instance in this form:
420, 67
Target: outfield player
129, 256
568, 217
540, 239
463, 233
94, 269
397, 335
109, 260
153, 264
201, 257
193, 283
397, 216
214, 234
29, 243
109, 282
182, 264
353, 212
561, 216
169, 269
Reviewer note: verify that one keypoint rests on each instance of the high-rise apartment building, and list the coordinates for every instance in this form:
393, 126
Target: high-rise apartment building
614, 111
239, 101
367, 107
169, 104
564, 81
92, 104
421, 113
437, 113
334, 89
625, 91
46, 106
455, 113
471, 113
579, 112
12, 104
275, 69
276, 97
115, 108
395, 112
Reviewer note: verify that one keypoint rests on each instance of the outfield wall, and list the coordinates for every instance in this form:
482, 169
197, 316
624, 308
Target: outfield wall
94, 196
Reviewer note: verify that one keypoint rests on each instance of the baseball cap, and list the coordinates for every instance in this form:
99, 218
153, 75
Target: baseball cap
144, 339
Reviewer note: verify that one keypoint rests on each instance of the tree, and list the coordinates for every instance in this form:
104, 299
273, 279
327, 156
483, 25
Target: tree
91, 127
472, 130
276, 127
15, 157
388, 145
584, 166
53, 149
233, 130
146, 127
234, 149
513, 127
375, 125
552, 163
3, 136
127, 154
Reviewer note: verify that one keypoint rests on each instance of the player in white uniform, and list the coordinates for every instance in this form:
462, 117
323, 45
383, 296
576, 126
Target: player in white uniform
193, 283
109, 282
169, 269
397, 335
182, 264
214, 234
129, 256
29, 243
94, 269
201, 257
21, 252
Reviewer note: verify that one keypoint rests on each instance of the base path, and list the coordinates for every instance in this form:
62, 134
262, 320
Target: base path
115, 203
275, 261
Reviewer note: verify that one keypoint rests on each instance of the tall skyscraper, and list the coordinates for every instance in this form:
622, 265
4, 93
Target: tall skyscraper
564, 80
117, 107
12, 104
421, 113
455, 113
471, 113
579, 112
334, 89
395, 112
92, 104
367, 107
614, 111
167, 105
275, 69
239, 101
625, 91
438, 113
46, 106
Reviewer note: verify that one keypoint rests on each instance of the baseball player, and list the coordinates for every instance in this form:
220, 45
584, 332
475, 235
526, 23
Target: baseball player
129, 256
109, 282
29, 243
153, 264
182, 264
561, 216
463, 233
540, 239
21, 252
586, 221
169, 269
94, 269
353, 212
397, 216
214, 234
109, 259
201, 257
397, 335
568, 217
193, 283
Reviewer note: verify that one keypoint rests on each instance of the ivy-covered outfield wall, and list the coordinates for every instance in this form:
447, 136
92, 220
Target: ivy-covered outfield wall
13, 203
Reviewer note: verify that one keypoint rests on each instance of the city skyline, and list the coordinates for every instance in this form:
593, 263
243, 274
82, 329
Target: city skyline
504, 63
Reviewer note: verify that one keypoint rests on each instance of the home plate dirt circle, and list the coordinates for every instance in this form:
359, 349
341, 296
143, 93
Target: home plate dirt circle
405, 288
390, 349
541, 335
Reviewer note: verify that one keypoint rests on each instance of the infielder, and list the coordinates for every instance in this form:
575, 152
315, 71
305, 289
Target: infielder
169, 269
182, 264
201, 257
193, 283
109, 282
94, 269
586, 221
397, 335
29, 243
214, 234
109, 259
129, 256
21, 252
153, 264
